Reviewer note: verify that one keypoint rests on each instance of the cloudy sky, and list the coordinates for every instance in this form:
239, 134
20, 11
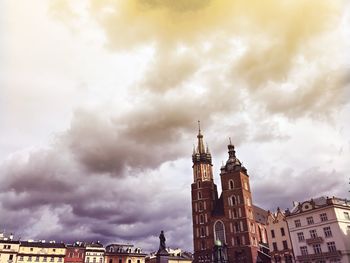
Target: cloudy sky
99, 102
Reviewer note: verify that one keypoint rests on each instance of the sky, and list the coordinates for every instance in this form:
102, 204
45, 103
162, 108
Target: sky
99, 103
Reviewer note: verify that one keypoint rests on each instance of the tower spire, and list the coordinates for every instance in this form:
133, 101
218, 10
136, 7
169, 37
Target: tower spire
200, 147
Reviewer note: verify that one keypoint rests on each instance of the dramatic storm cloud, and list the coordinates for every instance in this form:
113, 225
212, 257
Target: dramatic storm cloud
99, 102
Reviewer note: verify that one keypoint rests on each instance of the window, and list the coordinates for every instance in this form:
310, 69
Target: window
129, 261
30, 258
31, 249
10, 257
313, 233
234, 213
233, 200
59, 260
297, 223
323, 217
200, 205
219, 231
54, 250
199, 184
300, 236
327, 231
199, 195
37, 259
230, 184
21, 258
94, 260
274, 244
202, 232
138, 261
238, 241
201, 219
273, 233
282, 231
331, 246
346, 216
52, 259
120, 260
87, 260
317, 248
248, 201
310, 220
100, 260
45, 259
285, 244
303, 250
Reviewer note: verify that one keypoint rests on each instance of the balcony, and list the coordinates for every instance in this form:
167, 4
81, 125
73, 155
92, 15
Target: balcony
325, 255
314, 240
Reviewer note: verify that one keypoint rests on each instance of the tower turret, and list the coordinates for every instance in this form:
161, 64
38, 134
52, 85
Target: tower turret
202, 161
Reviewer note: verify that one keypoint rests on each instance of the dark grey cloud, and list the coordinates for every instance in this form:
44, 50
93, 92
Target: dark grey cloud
293, 184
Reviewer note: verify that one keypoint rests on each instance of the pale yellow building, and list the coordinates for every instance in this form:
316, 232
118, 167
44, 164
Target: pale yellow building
8, 250
41, 252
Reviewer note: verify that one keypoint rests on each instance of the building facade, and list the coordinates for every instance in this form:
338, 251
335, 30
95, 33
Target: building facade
320, 230
75, 253
120, 253
226, 222
41, 252
94, 253
8, 250
280, 244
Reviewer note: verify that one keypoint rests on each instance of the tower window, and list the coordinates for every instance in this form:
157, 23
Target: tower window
201, 219
233, 200
202, 232
200, 206
199, 184
230, 184
199, 195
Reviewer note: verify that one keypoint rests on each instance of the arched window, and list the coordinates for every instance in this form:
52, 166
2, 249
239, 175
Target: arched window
199, 195
233, 200
202, 232
230, 184
199, 184
248, 201
234, 213
219, 231
201, 219
200, 206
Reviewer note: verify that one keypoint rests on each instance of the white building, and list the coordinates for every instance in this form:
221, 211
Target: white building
320, 230
94, 253
279, 239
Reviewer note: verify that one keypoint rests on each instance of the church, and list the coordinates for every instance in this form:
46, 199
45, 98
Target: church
225, 228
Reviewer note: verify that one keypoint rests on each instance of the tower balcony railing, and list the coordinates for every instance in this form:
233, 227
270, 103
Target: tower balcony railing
314, 240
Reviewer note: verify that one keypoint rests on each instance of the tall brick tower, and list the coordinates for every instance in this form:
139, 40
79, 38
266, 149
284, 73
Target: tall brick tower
204, 197
226, 222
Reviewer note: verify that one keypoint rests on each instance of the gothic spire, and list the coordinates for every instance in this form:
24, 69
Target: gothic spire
200, 147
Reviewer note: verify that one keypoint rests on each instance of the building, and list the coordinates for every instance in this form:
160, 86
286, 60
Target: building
41, 252
320, 230
94, 253
224, 228
280, 244
75, 253
120, 253
175, 256
8, 249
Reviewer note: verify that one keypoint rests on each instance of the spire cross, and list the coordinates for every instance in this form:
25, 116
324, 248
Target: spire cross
230, 140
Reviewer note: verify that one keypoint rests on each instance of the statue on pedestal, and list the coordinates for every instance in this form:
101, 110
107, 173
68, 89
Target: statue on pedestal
162, 239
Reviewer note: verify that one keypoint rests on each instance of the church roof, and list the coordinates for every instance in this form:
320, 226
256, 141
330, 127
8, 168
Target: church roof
219, 207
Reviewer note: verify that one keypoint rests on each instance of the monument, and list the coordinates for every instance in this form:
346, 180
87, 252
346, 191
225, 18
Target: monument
162, 254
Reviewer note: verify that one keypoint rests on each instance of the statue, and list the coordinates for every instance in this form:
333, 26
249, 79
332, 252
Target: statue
162, 239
